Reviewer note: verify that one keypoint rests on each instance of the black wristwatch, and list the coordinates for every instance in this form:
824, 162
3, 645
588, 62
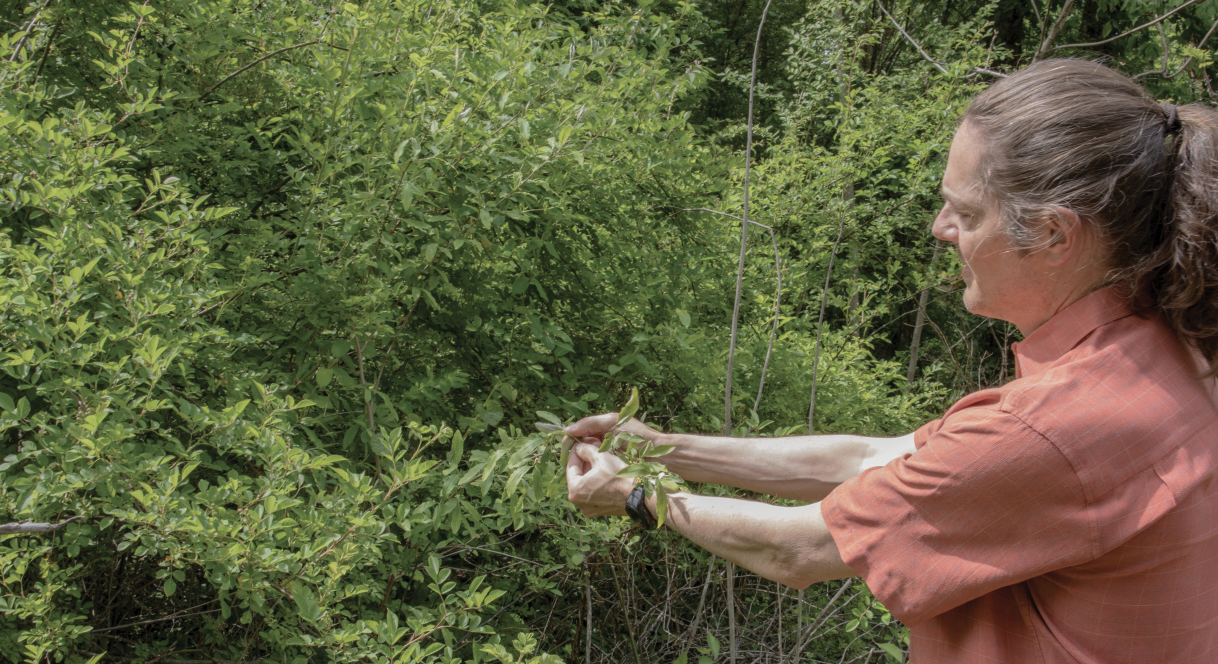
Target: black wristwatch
636, 507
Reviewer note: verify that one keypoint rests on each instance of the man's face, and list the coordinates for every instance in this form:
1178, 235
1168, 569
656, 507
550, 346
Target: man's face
998, 283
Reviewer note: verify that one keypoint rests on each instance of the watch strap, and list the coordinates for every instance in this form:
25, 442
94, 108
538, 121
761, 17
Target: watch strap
636, 508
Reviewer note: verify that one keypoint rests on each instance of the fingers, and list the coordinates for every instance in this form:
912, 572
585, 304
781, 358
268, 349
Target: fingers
576, 467
595, 426
586, 451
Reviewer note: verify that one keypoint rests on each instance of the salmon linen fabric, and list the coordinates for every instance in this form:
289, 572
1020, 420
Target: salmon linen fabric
1068, 516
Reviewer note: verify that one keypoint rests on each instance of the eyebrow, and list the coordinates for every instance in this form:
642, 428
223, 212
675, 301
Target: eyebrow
956, 200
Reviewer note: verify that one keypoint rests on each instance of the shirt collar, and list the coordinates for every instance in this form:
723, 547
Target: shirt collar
1061, 333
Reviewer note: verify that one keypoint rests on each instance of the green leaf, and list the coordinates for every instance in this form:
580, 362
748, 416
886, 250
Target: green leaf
306, 603
893, 651
564, 455
634, 470
324, 374
171, 586
631, 407
549, 417
6, 402
659, 451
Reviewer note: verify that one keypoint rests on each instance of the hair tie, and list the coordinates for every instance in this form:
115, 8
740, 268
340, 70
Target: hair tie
1173, 118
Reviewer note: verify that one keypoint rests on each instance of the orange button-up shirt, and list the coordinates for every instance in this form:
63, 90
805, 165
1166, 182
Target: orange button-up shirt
1070, 515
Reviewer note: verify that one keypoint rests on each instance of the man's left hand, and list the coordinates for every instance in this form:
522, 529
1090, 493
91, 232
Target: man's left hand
593, 484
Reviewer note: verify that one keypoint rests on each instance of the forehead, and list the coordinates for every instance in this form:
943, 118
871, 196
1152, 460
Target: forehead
962, 177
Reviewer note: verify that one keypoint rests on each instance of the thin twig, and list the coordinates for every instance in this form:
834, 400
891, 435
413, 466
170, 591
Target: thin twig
268, 56
1053, 32
27, 528
26, 33
921, 51
744, 230
821, 322
1112, 39
1184, 64
924, 54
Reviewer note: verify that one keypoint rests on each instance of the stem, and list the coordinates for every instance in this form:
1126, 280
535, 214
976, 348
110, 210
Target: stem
744, 230
634, 646
731, 612
820, 323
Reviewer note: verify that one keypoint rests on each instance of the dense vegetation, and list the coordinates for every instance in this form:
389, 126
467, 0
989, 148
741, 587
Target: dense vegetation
283, 286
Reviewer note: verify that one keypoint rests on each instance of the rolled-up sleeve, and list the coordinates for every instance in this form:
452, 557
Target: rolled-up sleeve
983, 503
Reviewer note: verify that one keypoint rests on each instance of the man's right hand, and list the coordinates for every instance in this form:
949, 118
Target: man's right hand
598, 426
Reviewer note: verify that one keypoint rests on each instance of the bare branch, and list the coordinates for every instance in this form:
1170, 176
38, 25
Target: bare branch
1123, 34
27, 528
744, 234
1187, 61
1053, 32
268, 56
26, 33
911, 40
922, 51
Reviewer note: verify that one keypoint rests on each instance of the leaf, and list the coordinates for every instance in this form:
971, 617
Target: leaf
514, 480
893, 651
546, 427
631, 407
683, 316
564, 455
633, 470
6, 402
714, 644
549, 417
324, 374
306, 603
171, 586
659, 451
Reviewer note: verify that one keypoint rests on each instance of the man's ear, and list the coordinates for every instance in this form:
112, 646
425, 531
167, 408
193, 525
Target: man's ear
1063, 234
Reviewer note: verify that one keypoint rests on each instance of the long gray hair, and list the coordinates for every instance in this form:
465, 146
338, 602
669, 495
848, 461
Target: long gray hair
1077, 134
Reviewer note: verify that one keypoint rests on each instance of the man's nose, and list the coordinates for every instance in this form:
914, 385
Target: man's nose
944, 228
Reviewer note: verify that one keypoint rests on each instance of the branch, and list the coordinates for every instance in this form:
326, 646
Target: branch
1053, 32
1123, 34
921, 51
26, 33
268, 56
744, 245
924, 54
25, 527
1184, 64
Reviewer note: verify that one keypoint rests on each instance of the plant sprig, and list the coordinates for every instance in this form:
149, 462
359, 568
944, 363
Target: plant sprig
636, 451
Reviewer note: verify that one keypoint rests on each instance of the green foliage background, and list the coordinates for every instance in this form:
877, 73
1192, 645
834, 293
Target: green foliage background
283, 285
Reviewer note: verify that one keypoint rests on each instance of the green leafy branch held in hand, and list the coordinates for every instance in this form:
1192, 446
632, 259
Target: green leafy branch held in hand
635, 450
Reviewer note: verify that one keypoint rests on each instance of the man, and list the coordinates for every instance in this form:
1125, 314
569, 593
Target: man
1072, 514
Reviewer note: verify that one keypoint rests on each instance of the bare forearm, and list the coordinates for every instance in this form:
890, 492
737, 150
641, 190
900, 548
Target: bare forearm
801, 467
790, 545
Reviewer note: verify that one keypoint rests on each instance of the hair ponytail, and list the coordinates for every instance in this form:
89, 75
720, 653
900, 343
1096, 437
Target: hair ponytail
1182, 274
1077, 134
